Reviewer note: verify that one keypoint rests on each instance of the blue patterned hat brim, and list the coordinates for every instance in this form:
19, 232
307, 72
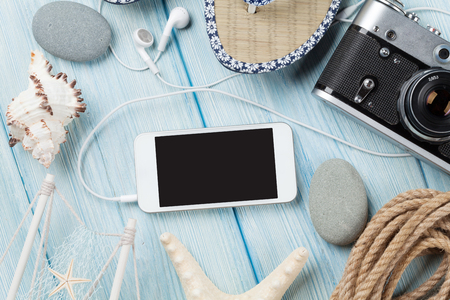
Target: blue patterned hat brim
242, 67
121, 2
258, 2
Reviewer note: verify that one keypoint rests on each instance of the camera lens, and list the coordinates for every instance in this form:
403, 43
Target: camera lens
424, 105
438, 103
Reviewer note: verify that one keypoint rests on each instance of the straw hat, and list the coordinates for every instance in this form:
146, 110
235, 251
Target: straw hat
278, 33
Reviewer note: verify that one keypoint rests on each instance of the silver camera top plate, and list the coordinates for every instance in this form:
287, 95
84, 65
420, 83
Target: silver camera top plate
380, 18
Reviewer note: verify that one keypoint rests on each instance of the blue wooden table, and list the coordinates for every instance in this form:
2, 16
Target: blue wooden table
236, 247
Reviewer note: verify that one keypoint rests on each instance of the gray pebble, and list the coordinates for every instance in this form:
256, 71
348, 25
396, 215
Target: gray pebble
338, 202
71, 31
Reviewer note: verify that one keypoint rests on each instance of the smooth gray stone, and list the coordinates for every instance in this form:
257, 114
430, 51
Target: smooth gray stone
338, 202
71, 31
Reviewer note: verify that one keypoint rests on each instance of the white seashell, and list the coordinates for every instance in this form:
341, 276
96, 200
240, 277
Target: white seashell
38, 115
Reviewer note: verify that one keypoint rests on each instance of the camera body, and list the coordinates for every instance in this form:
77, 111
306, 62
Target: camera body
393, 76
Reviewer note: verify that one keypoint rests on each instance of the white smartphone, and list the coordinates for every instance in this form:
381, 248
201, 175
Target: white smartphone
215, 167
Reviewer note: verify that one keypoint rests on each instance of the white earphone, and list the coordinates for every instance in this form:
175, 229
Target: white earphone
178, 18
143, 39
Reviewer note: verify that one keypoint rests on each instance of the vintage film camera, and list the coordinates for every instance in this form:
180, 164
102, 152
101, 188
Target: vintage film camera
393, 75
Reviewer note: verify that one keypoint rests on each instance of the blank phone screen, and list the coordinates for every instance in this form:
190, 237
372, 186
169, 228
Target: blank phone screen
216, 167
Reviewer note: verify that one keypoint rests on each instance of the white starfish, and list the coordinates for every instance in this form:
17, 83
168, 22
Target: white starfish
198, 287
66, 281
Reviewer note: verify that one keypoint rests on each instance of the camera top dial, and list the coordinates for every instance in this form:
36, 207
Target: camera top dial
394, 4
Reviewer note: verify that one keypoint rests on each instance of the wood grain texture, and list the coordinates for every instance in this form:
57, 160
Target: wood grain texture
236, 247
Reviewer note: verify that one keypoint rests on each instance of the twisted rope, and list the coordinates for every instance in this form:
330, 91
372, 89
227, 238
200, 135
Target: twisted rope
47, 187
413, 224
128, 236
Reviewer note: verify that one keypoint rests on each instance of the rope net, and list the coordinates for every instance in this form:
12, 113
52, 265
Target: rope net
93, 255
89, 252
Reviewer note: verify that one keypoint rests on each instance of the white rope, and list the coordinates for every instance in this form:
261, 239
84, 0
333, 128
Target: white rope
46, 189
127, 236
69, 207
72, 210
102, 272
107, 234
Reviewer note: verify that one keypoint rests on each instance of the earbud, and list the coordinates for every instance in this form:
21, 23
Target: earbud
178, 18
143, 39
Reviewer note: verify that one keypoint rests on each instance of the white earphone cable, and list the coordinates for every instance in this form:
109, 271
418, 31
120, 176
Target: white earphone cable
157, 57
205, 88
99, 9
428, 8
133, 198
197, 87
122, 63
345, 13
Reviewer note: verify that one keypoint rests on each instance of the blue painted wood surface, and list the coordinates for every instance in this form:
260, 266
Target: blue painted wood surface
236, 247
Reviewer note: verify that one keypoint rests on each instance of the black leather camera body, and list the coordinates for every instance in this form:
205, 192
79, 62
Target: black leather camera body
393, 76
